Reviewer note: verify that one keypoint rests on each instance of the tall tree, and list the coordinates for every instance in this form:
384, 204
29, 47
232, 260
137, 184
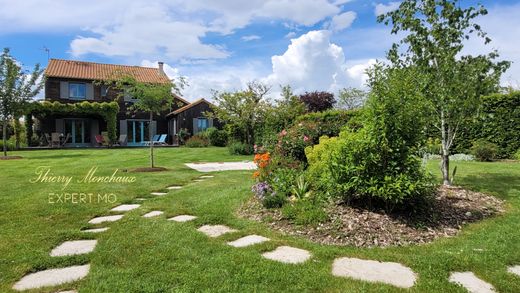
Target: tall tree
242, 109
435, 34
152, 98
17, 87
351, 98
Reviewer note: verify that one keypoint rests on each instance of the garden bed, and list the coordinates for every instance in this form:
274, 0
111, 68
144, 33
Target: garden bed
451, 209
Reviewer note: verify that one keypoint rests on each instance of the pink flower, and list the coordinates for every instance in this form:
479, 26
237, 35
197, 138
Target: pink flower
305, 138
283, 133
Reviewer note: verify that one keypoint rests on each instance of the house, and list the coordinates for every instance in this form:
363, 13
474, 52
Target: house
69, 82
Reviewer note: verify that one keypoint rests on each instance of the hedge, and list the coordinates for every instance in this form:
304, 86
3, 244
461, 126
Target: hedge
331, 122
498, 122
107, 110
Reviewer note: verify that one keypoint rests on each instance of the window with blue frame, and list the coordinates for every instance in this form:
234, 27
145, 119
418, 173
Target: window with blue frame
202, 124
77, 91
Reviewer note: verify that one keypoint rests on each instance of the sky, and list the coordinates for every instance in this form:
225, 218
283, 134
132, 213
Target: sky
222, 45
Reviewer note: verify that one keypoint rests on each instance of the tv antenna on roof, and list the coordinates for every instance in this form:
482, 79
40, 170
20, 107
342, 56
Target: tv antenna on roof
48, 52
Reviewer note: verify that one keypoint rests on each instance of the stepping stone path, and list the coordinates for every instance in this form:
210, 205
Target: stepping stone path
159, 193
70, 291
374, 271
141, 199
174, 187
514, 270
471, 282
287, 254
152, 214
99, 220
182, 218
74, 247
228, 166
248, 240
198, 180
52, 277
215, 230
96, 230
206, 176
125, 207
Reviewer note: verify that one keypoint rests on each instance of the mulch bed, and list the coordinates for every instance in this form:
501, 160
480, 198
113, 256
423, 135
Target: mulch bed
452, 208
149, 169
11, 158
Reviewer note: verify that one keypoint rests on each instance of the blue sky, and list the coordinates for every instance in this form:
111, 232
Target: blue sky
221, 45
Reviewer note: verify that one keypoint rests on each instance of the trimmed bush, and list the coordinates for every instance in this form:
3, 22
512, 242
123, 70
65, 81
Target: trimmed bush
240, 148
484, 151
516, 156
217, 137
197, 142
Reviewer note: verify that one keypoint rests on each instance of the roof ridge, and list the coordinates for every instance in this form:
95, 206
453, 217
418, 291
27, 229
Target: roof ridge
99, 63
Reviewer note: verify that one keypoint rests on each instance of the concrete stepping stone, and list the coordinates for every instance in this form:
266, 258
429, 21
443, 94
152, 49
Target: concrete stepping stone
103, 219
74, 247
471, 282
514, 270
287, 254
174, 187
52, 277
198, 180
158, 193
182, 218
125, 207
95, 230
206, 176
215, 230
391, 273
248, 240
141, 199
68, 291
152, 214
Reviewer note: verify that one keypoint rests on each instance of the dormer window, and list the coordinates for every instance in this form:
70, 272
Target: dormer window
77, 91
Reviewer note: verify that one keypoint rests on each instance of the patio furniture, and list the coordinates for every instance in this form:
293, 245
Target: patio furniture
99, 139
66, 139
123, 140
155, 139
161, 140
55, 139
47, 139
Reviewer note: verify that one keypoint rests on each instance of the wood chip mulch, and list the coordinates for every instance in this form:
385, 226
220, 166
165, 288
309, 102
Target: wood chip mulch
452, 208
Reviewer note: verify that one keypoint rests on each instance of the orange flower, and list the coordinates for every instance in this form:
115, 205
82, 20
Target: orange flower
256, 174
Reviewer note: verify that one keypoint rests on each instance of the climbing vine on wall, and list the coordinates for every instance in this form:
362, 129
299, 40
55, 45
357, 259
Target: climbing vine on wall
107, 110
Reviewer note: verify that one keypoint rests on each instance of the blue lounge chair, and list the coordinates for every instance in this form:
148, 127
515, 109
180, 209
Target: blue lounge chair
161, 140
154, 140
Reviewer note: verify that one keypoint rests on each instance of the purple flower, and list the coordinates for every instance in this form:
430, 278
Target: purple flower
261, 190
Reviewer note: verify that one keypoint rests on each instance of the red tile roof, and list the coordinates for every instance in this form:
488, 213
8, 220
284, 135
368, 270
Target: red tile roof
99, 71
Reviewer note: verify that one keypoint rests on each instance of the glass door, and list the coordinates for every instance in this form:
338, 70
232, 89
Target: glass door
138, 132
77, 131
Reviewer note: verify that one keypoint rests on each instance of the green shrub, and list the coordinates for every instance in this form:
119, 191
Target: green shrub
484, 151
282, 180
197, 142
274, 200
305, 212
240, 148
217, 137
377, 165
516, 156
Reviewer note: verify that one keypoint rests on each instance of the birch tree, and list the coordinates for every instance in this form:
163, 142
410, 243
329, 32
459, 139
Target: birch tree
435, 34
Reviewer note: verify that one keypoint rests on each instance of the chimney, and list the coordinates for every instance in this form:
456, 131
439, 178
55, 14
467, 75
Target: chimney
161, 67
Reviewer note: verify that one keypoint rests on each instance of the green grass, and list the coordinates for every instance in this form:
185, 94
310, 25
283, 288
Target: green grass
156, 255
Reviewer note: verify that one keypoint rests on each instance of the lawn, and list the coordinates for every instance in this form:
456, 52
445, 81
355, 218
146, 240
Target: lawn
156, 255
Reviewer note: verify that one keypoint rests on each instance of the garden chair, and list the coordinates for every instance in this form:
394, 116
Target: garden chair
55, 139
99, 139
155, 139
47, 139
123, 140
161, 140
66, 139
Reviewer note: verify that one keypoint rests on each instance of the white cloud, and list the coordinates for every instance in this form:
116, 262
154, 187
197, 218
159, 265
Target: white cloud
385, 8
342, 21
312, 62
290, 35
251, 38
